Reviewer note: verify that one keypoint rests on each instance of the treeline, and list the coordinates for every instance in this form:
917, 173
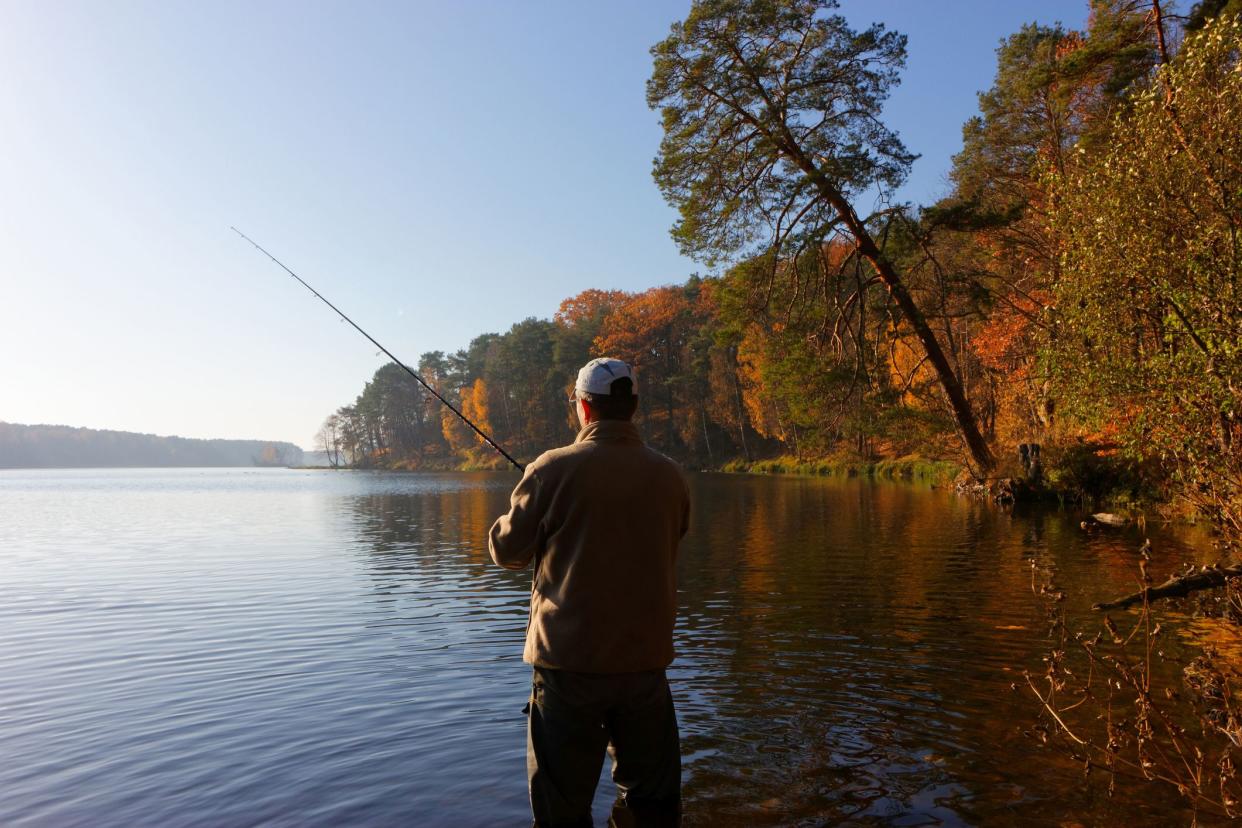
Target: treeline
516, 385
1077, 288
56, 446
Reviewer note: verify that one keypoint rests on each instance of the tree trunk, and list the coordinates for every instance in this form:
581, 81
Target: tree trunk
1176, 587
962, 411
967, 426
707, 441
741, 414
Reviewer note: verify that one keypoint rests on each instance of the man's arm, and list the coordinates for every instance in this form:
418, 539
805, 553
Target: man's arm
517, 536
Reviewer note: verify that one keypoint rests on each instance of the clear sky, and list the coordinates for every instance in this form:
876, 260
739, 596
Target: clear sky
439, 170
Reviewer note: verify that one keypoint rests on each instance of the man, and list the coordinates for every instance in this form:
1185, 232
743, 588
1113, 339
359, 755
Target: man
601, 519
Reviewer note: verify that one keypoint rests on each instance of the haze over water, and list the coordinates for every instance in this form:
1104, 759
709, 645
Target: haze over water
240, 647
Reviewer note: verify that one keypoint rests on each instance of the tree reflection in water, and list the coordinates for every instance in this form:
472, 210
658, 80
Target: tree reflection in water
845, 648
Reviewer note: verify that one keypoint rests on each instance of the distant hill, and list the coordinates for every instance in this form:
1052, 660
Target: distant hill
55, 446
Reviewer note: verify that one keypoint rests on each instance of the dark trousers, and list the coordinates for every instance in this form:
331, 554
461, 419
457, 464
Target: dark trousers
574, 719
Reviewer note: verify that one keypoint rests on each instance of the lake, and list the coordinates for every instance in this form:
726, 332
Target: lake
237, 647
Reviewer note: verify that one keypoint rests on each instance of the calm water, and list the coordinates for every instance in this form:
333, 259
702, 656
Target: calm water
272, 647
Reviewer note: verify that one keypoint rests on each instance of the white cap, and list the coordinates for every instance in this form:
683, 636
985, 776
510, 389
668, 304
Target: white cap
598, 375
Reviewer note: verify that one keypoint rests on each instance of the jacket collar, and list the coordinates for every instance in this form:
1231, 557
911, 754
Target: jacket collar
609, 431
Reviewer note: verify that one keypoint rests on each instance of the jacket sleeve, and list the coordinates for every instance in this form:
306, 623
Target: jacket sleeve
517, 536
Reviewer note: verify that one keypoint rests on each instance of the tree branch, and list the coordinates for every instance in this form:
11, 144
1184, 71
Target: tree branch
1178, 587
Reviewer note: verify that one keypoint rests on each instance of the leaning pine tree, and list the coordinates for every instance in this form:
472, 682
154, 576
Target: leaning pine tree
771, 127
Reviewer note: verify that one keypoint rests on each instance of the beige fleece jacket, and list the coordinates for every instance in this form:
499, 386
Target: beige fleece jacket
601, 519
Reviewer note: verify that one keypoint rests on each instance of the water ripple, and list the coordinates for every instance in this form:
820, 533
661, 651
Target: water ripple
236, 648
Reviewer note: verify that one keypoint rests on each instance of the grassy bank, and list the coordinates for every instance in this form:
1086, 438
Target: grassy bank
901, 468
1082, 474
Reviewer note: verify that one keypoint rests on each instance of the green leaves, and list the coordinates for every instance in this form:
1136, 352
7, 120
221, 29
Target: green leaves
1150, 225
758, 97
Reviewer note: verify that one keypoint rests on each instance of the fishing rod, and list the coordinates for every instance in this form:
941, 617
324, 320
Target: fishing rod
407, 368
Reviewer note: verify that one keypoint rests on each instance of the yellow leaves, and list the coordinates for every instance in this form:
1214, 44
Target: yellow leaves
474, 405
907, 364
756, 396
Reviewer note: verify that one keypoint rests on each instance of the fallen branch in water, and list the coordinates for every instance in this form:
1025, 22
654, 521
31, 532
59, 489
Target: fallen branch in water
1177, 587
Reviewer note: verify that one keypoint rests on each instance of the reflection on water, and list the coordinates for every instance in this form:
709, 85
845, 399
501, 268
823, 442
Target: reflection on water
229, 647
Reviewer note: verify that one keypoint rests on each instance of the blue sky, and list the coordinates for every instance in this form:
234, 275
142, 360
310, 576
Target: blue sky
438, 170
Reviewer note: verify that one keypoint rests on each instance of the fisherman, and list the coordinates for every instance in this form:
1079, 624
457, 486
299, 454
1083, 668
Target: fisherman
601, 519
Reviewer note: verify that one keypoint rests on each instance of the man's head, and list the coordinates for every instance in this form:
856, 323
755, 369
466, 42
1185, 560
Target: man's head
605, 390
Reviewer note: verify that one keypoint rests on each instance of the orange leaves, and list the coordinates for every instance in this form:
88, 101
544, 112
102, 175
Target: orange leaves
667, 334
1106, 440
1069, 43
908, 366
752, 357
474, 404
642, 329
1003, 342
836, 252
589, 305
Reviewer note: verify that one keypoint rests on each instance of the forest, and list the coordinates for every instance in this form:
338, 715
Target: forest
1077, 288
57, 446
1065, 323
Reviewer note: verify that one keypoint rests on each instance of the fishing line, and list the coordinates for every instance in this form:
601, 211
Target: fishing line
407, 368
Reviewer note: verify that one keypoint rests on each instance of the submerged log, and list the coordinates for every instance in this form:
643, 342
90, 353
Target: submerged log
1109, 519
1104, 519
1178, 587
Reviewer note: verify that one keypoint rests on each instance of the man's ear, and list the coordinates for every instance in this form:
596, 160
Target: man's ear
588, 414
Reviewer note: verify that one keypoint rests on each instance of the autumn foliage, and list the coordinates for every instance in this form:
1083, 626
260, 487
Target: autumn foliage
1054, 280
